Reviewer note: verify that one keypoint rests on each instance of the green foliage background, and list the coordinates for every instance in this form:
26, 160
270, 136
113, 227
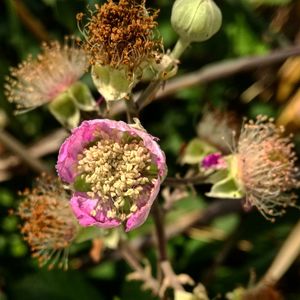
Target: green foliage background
244, 32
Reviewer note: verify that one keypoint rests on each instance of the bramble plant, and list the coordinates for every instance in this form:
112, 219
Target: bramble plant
110, 184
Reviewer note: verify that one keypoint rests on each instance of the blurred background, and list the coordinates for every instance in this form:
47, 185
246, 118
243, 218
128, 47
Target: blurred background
233, 247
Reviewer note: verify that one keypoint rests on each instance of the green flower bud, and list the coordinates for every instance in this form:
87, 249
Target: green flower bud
196, 20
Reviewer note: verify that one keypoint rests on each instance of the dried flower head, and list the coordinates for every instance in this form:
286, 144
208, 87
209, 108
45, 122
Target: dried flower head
115, 170
49, 224
37, 81
121, 34
266, 167
216, 128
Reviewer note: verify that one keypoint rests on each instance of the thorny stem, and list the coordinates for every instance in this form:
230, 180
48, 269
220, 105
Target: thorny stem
167, 270
285, 257
127, 253
16, 147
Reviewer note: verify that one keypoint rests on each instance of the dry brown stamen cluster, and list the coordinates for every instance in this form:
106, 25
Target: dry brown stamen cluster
117, 174
121, 34
49, 225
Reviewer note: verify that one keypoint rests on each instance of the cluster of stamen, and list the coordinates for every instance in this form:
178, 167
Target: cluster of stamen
118, 175
267, 167
38, 80
49, 225
121, 34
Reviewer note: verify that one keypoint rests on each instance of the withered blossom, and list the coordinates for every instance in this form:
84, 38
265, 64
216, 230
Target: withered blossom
266, 169
39, 80
49, 225
121, 40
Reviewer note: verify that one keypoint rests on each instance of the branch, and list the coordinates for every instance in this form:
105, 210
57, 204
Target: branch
169, 279
216, 71
16, 147
31, 22
219, 70
140, 273
173, 181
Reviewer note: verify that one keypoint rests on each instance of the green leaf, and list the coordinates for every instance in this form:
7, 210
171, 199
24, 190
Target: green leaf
83, 98
64, 110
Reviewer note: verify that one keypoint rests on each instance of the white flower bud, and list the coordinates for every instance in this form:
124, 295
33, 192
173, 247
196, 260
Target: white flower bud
196, 20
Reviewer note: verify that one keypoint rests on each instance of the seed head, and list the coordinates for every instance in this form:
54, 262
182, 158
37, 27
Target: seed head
49, 224
37, 81
266, 167
121, 35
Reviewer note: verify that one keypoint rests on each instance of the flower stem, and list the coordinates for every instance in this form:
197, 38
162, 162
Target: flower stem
148, 95
169, 276
160, 231
132, 110
179, 48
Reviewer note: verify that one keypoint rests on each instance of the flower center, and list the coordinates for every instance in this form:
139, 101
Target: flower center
121, 34
117, 173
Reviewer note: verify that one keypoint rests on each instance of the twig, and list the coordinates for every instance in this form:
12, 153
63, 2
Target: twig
216, 71
16, 147
169, 277
44, 146
31, 22
285, 257
225, 69
172, 181
160, 231
127, 253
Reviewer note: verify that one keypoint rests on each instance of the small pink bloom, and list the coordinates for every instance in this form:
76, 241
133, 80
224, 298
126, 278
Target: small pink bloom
213, 161
116, 171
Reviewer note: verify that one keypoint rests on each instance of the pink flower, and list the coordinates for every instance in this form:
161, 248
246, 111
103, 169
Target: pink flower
213, 161
115, 170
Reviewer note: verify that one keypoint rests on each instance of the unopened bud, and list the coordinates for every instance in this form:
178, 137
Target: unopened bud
196, 20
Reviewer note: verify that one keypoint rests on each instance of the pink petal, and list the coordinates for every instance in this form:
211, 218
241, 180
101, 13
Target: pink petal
140, 216
82, 208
